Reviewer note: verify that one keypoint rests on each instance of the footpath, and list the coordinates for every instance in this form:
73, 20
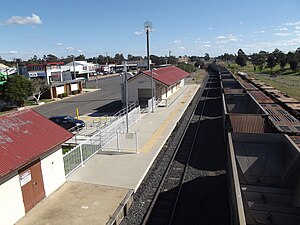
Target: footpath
101, 192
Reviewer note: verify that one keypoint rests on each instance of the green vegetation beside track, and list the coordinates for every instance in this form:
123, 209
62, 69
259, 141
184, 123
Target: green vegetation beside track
285, 80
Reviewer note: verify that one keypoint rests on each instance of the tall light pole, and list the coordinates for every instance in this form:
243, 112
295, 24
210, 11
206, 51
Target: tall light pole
148, 27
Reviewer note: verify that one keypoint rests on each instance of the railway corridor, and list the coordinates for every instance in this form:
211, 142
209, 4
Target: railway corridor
203, 196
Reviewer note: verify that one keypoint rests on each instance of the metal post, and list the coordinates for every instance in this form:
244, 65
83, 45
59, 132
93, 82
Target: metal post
81, 156
152, 92
126, 96
148, 54
74, 68
136, 143
118, 142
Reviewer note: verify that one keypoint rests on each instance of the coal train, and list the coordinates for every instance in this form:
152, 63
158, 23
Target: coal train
263, 146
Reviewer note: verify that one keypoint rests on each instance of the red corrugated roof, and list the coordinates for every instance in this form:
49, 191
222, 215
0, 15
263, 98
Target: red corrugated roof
167, 75
24, 136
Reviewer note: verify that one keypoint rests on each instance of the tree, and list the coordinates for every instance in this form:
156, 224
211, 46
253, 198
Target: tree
258, 60
39, 87
206, 57
277, 53
294, 64
51, 58
17, 89
292, 60
271, 62
241, 58
80, 58
186, 67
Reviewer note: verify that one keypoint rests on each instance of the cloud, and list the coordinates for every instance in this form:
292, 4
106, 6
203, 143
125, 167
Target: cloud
297, 27
12, 52
210, 28
283, 29
283, 34
259, 32
292, 23
225, 39
176, 42
70, 48
59, 44
18, 20
182, 48
79, 50
138, 32
241, 22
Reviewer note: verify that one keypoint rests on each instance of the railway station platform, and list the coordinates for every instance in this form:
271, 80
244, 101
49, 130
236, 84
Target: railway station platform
101, 192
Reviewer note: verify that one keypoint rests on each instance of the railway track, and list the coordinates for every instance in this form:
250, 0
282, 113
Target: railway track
194, 187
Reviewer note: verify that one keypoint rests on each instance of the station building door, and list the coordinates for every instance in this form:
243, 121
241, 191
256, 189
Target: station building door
32, 184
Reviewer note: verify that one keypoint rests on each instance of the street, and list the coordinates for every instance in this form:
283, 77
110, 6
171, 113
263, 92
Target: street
105, 100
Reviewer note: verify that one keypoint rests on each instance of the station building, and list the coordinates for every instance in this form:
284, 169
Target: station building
31, 162
160, 82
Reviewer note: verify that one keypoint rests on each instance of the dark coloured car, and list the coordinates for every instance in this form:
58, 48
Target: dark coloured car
68, 122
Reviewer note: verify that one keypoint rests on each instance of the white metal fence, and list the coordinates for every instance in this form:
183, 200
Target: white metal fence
84, 151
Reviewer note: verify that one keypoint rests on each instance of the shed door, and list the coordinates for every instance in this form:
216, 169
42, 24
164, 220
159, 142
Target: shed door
32, 185
144, 96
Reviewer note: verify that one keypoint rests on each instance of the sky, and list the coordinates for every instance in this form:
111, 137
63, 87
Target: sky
186, 27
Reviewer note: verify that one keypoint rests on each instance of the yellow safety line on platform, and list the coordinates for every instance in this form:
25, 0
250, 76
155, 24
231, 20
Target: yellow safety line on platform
150, 143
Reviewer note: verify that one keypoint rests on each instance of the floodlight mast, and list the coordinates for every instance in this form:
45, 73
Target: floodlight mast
148, 28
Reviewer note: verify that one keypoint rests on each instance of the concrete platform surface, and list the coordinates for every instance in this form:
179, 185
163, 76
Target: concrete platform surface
76, 203
128, 170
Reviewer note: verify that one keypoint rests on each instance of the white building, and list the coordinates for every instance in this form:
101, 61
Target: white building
166, 81
82, 69
31, 162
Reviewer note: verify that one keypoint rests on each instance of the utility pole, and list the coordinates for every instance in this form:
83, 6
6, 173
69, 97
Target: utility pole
74, 67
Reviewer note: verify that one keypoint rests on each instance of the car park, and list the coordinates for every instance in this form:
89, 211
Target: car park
68, 122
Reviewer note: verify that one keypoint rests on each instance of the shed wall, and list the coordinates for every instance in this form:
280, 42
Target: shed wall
11, 201
53, 165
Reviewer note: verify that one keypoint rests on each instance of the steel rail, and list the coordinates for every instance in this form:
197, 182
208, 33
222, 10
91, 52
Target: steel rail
159, 188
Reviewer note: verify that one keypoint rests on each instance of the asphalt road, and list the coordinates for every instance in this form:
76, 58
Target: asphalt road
104, 101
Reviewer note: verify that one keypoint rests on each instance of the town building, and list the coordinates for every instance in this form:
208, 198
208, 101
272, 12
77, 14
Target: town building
50, 71
31, 162
83, 69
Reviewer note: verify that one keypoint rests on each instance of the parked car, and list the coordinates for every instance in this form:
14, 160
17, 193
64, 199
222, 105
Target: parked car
68, 122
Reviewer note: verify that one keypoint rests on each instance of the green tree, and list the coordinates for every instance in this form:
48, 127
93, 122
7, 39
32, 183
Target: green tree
294, 64
292, 60
258, 60
17, 89
39, 87
186, 67
51, 58
206, 57
271, 62
241, 58
80, 58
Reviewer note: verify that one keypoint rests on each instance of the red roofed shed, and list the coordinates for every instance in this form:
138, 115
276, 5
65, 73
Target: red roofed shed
166, 81
31, 161
25, 136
